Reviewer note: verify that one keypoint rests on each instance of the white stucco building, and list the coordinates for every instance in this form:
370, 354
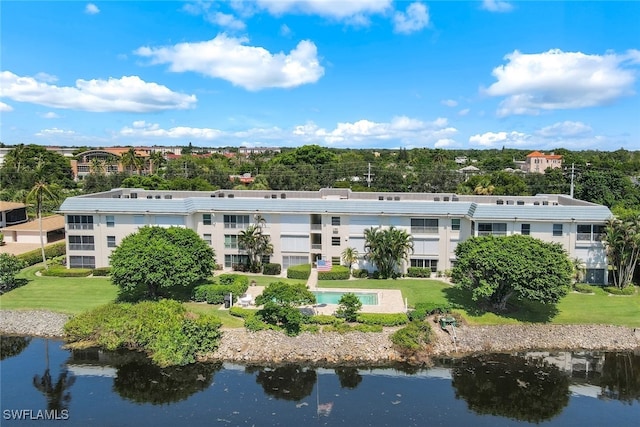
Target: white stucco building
307, 225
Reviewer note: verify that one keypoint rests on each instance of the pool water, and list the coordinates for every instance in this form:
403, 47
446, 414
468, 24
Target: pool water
333, 297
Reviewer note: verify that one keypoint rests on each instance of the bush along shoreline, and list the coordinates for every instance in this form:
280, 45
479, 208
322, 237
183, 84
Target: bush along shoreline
210, 343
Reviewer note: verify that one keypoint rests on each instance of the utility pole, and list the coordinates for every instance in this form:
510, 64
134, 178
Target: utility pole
572, 172
369, 176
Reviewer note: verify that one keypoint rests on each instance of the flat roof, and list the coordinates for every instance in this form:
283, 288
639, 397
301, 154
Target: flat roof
49, 223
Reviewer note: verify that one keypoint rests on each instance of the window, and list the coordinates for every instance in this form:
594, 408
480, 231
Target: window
206, 219
557, 229
236, 221
289, 260
235, 259
81, 243
425, 263
335, 241
424, 225
82, 262
455, 224
138, 219
111, 241
80, 222
266, 259
207, 238
487, 228
335, 220
525, 229
588, 232
230, 241
335, 260
111, 221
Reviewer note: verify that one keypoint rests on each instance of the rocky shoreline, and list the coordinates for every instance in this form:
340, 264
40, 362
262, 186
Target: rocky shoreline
357, 348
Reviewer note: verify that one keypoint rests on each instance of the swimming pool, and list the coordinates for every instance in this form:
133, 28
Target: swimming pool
333, 297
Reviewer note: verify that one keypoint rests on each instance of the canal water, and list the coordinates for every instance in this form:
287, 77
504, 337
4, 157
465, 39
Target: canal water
43, 383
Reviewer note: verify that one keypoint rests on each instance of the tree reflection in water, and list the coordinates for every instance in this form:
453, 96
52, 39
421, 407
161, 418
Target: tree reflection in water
523, 389
57, 393
349, 377
620, 378
141, 381
12, 346
289, 382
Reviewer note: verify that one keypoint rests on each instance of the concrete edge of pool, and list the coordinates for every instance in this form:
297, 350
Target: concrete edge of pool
389, 301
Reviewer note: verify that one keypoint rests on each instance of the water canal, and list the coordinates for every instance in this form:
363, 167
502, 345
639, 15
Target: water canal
40, 379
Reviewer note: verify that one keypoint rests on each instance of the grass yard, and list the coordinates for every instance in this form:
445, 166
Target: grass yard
575, 308
228, 321
265, 280
71, 295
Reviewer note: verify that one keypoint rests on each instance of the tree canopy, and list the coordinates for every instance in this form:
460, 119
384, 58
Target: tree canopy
156, 259
622, 241
496, 268
387, 248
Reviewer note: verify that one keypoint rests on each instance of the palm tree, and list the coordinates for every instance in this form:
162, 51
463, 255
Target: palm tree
130, 160
97, 166
40, 192
255, 243
350, 257
622, 242
387, 248
578, 269
57, 395
156, 160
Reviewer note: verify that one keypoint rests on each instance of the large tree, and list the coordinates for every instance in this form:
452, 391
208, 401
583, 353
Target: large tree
496, 268
622, 241
156, 259
281, 301
387, 248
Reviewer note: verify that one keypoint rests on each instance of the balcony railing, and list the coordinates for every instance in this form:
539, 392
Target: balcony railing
316, 246
75, 226
231, 246
81, 246
316, 227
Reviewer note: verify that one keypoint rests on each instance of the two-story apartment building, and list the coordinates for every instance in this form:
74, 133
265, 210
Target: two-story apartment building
307, 225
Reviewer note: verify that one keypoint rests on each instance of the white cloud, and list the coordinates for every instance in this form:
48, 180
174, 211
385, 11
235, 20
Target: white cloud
565, 129
55, 132
464, 112
250, 67
142, 129
497, 139
449, 102
126, 94
45, 77
285, 30
49, 115
404, 129
5, 108
91, 9
445, 143
497, 6
351, 11
562, 80
227, 21
414, 19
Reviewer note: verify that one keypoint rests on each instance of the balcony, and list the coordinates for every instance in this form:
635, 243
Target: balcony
316, 227
81, 247
75, 226
316, 246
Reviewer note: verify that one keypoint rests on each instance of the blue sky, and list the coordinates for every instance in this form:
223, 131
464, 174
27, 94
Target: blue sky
344, 74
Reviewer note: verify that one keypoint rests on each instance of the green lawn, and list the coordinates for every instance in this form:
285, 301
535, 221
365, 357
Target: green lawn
227, 320
575, 308
265, 280
70, 295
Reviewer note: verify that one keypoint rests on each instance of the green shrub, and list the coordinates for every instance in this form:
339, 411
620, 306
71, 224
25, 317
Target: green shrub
583, 288
214, 293
412, 337
391, 319
360, 273
102, 271
343, 328
367, 328
312, 329
627, 290
241, 312
254, 323
301, 271
51, 251
424, 309
324, 319
338, 272
349, 305
272, 269
163, 329
285, 316
418, 272
60, 271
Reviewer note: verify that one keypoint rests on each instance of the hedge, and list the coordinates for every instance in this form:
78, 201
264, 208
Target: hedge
392, 319
424, 309
60, 271
272, 269
234, 284
418, 272
361, 273
338, 272
301, 271
241, 312
324, 319
102, 271
583, 288
627, 290
35, 256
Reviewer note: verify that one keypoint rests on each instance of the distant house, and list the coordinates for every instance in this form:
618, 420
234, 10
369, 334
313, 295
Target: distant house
245, 178
538, 162
29, 232
12, 213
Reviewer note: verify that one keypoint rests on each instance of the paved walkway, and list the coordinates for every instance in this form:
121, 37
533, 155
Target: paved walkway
18, 248
312, 281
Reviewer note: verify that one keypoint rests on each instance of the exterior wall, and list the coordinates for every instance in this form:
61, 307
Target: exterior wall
311, 235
